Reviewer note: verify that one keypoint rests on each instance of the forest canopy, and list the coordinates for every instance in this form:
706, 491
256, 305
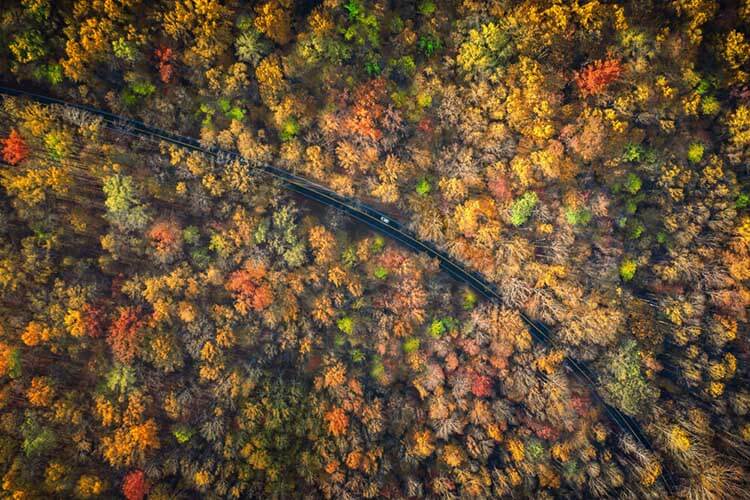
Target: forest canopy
176, 323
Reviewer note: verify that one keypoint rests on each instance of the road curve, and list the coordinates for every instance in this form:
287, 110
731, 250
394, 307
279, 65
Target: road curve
374, 219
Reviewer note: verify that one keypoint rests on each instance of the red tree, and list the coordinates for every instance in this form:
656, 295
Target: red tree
135, 486
365, 116
14, 148
93, 320
249, 291
164, 58
124, 334
481, 386
166, 236
594, 78
500, 187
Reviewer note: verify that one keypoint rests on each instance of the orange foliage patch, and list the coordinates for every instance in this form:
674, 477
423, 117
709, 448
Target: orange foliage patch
135, 486
338, 421
124, 334
93, 320
14, 148
164, 57
367, 111
166, 236
594, 78
249, 292
481, 386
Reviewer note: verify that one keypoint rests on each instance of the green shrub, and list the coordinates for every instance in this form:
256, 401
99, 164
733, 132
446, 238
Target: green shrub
633, 153
381, 273
411, 345
636, 229
191, 235
437, 328
289, 129
579, 217
429, 44
346, 325
627, 269
423, 187
469, 300
377, 370
403, 67
522, 208
695, 152
633, 183
182, 433
357, 356
710, 105
122, 49
427, 8
377, 244
236, 113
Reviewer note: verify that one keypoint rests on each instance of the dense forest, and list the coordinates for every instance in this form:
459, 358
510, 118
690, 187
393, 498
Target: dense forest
176, 324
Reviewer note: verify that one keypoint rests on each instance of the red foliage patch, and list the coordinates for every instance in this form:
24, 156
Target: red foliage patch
481, 386
594, 78
249, 291
364, 116
164, 58
93, 320
166, 236
124, 334
135, 486
425, 125
500, 187
581, 404
15, 149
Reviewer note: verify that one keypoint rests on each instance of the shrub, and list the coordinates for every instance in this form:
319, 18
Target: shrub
522, 208
695, 152
633, 153
627, 269
381, 273
429, 44
578, 217
411, 345
437, 328
346, 325
289, 129
182, 434
427, 8
633, 183
469, 300
423, 187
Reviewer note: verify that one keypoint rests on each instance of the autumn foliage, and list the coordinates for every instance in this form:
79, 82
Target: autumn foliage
250, 291
166, 236
124, 334
15, 149
595, 77
177, 323
337, 420
135, 486
164, 57
481, 385
94, 318
364, 117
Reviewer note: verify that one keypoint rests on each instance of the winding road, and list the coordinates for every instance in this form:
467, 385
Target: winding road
374, 219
